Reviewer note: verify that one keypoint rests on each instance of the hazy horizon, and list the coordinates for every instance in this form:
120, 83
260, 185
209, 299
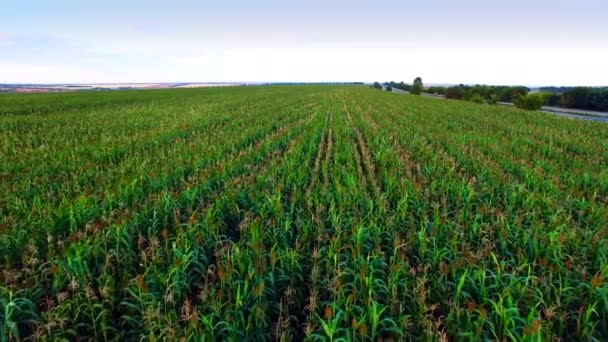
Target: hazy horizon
547, 43
426, 84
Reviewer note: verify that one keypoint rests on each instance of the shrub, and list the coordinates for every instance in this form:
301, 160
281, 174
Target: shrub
455, 92
530, 101
492, 99
389, 88
476, 98
436, 90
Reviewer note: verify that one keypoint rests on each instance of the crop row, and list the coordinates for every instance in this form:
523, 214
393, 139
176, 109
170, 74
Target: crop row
299, 212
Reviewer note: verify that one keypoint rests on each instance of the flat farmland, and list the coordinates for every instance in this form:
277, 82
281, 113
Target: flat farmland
298, 212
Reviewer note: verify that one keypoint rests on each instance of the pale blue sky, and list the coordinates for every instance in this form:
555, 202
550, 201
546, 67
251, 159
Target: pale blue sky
538, 42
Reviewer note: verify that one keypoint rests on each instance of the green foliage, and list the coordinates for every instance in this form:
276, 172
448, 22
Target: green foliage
377, 85
476, 98
417, 87
492, 99
298, 213
530, 101
406, 87
585, 98
455, 92
436, 90
578, 97
599, 100
553, 99
401, 85
509, 94
485, 94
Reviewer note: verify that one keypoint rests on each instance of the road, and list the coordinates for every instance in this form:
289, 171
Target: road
563, 112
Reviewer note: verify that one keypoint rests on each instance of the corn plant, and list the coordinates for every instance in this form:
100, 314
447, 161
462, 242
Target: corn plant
298, 213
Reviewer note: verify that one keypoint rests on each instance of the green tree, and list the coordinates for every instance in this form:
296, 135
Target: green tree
417, 87
577, 97
455, 92
599, 99
530, 101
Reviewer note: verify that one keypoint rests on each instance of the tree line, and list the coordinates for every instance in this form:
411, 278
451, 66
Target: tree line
476, 93
518, 95
568, 97
577, 97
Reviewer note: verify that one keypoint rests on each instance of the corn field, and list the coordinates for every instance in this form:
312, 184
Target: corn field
319, 213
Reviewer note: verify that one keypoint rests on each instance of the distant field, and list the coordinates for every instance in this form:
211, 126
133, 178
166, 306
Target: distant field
52, 88
298, 212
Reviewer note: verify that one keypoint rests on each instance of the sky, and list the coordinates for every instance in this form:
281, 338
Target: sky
531, 42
